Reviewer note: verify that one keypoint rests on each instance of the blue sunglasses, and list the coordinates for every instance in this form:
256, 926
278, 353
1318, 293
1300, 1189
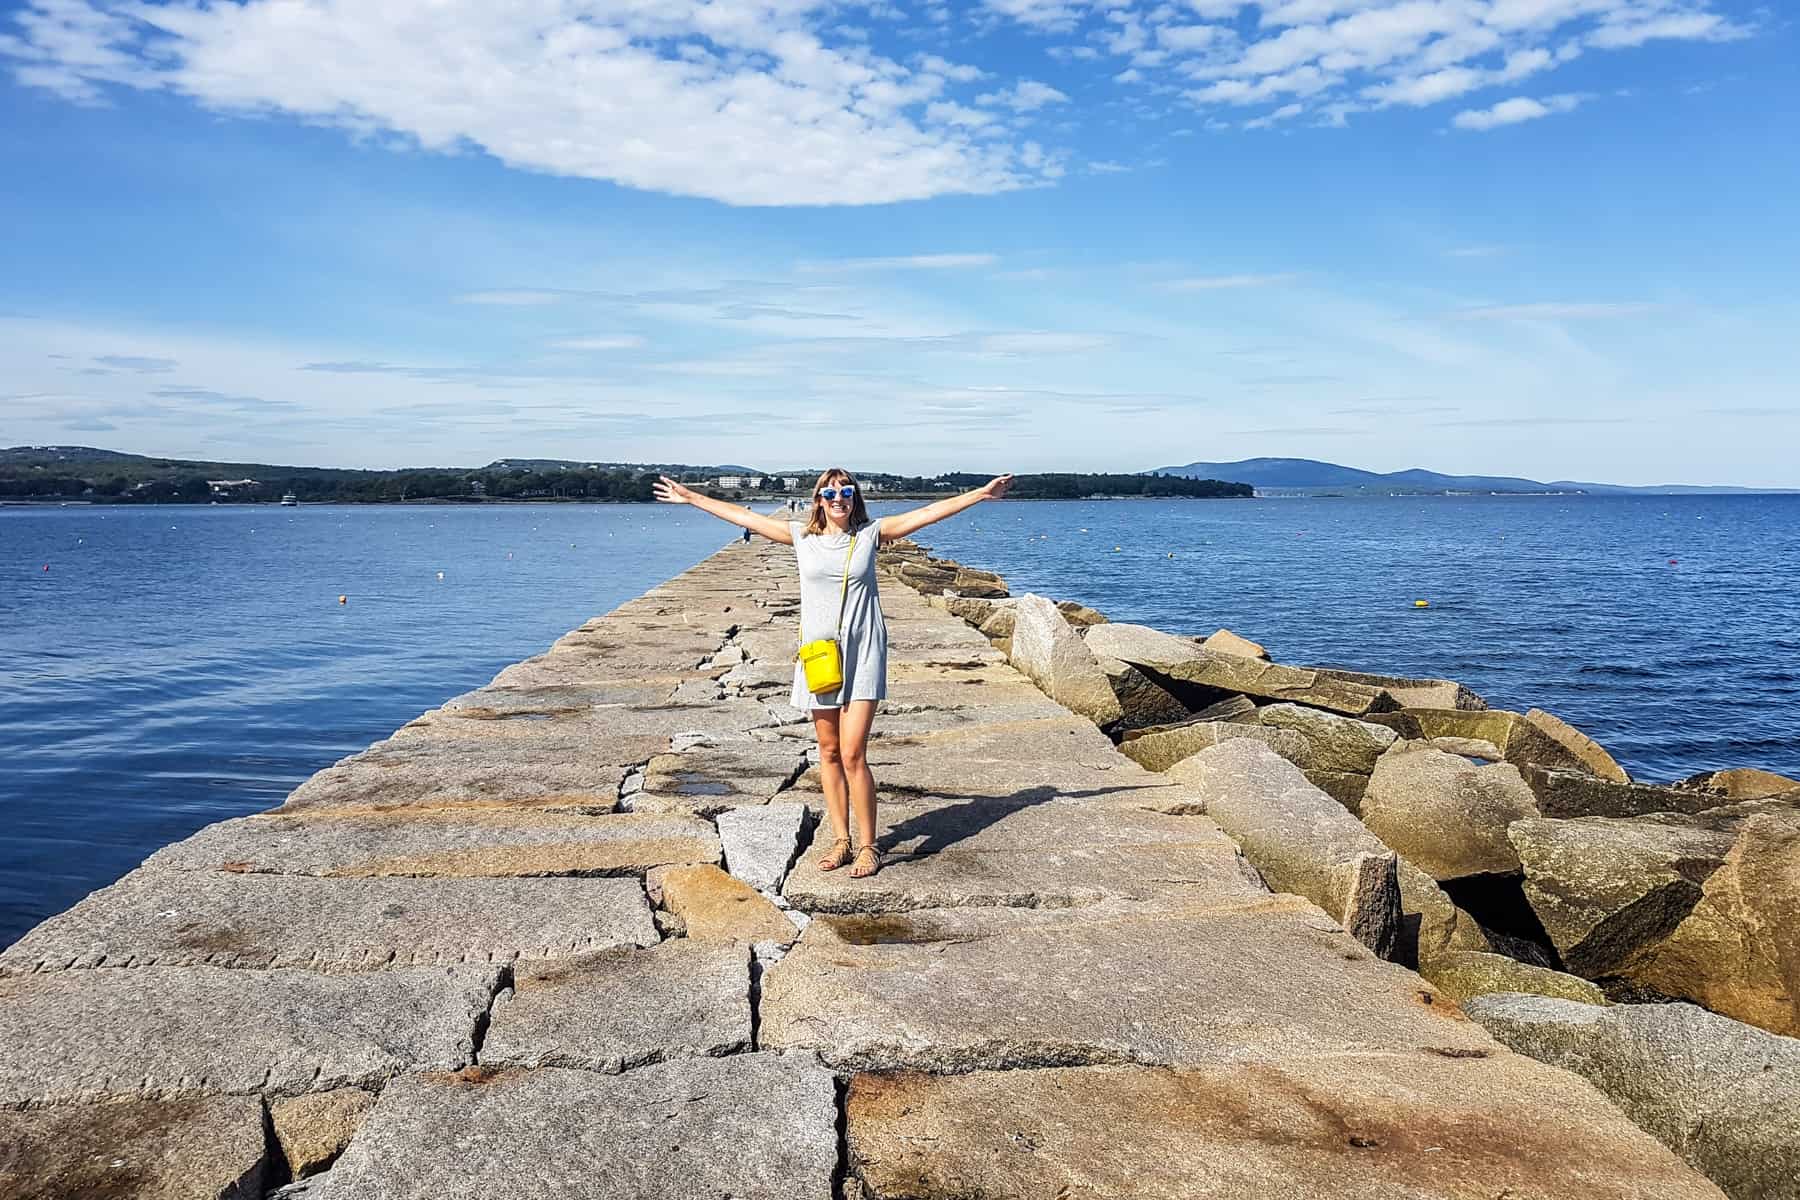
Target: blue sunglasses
848, 492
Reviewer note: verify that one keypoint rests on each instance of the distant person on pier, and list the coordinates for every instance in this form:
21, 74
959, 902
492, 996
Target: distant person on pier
836, 548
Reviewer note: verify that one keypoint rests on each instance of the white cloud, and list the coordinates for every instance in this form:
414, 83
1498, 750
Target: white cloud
1513, 111
1042, 343
1107, 167
1212, 283
617, 341
906, 262
753, 102
1555, 312
519, 298
1028, 95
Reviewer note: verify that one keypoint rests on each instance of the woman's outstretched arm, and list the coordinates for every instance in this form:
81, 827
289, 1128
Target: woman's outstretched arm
670, 492
911, 522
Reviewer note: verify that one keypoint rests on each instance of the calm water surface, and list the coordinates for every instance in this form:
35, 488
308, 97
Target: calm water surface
180, 665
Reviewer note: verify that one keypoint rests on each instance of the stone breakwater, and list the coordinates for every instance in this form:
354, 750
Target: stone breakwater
559, 937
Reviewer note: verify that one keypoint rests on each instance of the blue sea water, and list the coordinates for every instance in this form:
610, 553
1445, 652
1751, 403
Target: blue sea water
179, 665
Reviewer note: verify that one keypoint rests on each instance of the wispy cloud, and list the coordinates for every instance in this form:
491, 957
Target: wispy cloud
515, 298
1555, 312
904, 262
600, 342
137, 362
1511, 112
1213, 283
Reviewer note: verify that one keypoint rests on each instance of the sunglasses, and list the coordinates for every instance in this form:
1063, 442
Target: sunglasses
848, 492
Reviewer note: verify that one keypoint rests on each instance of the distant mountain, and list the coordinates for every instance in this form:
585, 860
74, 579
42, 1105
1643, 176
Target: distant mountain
587, 464
1306, 475
31, 455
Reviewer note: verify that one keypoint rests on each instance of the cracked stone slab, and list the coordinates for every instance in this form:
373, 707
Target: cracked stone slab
1028, 854
952, 990
176, 918
195, 1149
748, 1126
718, 775
169, 1032
461, 843
759, 843
1351, 1127
717, 907
421, 773
617, 1009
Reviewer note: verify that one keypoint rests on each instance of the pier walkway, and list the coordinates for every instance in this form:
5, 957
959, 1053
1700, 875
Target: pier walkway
551, 939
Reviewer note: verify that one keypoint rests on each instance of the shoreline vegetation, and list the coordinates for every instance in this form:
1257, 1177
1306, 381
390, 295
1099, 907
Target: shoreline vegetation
73, 474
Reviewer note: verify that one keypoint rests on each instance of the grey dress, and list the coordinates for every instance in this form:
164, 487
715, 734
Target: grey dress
863, 636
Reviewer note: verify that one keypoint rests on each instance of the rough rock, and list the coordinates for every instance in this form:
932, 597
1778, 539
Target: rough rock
1445, 815
1413, 693
621, 1008
716, 907
1716, 1091
1142, 701
1227, 642
1519, 741
460, 843
499, 775
952, 990
1209, 675
1469, 748
1463, 974
1300, 839
313, 1130
1054, 657
173, 918
1080, 615
1604, 889
1435, 925
1358, 1127
1165, 747
194, 1149
710, 777
1000, 623
760, 842
1567, 793
162, 1032
1336, 743
1742, 783
749, 1126
1025, 853
1346, 787
1738, 951
1593, 756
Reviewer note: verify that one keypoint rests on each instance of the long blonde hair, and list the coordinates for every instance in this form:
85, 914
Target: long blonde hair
836, 477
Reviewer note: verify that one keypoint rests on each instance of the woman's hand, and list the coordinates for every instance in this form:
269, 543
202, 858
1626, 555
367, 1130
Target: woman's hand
995, 488
670, 492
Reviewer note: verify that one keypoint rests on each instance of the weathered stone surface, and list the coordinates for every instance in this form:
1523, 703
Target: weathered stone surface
1358, 1127
713, 776
1346, 787
1566, 793
1336, 743
1413, 693
1444, 814
717, 907
462, 843
1054, 657
1593, 756
1604, 889
313, 1130
1463, 974
195, 1149
1080, 615
1025, 853
1141, 701
1300, 839
172, 918
760, 842
1521, 742
1227, 642
967, 989
749, 1126
1742, 783
1165, 748
999, 623
1469, 748
617, 1009
426, 775
1435, 925
1186, 663
161, 1032
1717, 1092
1738, 951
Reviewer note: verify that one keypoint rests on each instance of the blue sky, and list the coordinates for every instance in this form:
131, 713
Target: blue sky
1544, 237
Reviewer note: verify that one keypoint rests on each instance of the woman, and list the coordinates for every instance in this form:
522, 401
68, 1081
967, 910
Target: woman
836, 544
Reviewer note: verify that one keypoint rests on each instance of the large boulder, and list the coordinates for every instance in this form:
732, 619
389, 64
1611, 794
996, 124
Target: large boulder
1143, 701
1227, 642
1413, 693
1717, 1092
1465, 974
1055, 658
1742, 783
1570, 793
1337, 743
1445, 814
1300, 839
1738, 951
1518, 739
1199, 675
1593, 756
1162, 747
1606, 889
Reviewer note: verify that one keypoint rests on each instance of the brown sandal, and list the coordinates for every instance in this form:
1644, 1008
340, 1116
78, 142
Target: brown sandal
874, 853
837, 856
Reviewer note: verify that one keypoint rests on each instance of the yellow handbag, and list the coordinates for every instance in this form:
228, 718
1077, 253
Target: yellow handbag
822, 660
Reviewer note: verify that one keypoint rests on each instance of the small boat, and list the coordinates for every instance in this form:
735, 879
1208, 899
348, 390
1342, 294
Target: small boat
288, 500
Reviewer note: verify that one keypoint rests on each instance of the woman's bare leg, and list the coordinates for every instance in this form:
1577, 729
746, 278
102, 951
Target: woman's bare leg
853, 750
831, 782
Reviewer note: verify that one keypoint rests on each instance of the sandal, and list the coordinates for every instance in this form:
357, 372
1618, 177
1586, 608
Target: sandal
837, 856
874, 864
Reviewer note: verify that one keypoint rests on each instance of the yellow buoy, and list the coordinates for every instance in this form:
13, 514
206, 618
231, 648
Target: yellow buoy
1421, 604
